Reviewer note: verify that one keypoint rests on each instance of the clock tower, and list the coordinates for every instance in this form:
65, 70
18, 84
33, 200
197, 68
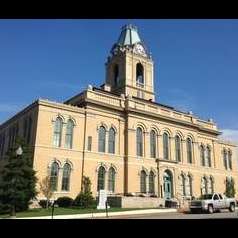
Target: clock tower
129, 68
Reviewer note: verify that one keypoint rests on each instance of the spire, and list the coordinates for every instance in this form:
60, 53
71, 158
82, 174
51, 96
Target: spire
128, 38
129, 35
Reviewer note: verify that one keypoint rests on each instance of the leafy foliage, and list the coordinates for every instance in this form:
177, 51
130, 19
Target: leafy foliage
18, 180
64, 201
45, 188
85, 198
230, 188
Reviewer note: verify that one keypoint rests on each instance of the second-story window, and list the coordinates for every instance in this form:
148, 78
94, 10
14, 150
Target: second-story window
111, 141
102, 139
166, 146
69, 134
57, 132
178, 148
152, 144
230, 159
189, 150
225, 159
202, 155
139, 142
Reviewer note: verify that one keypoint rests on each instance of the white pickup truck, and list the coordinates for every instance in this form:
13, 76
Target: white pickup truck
212, 202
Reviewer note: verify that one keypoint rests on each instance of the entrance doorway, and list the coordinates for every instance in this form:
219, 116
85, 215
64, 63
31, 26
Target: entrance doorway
168, 184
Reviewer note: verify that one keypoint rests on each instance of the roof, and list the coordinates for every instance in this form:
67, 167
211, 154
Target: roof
129, 35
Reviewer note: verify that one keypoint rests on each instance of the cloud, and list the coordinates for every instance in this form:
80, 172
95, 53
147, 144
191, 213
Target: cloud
230, 134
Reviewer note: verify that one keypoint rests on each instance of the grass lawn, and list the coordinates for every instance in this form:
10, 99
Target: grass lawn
65, 211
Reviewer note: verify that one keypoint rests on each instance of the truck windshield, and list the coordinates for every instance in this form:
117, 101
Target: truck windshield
206, 196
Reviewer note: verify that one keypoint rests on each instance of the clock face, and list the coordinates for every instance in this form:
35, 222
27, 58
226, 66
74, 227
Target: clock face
140, 49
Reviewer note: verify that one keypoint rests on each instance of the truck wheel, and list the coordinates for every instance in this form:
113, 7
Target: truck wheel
232, 207
210, 209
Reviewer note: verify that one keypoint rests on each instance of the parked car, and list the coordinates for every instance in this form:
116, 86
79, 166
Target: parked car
212, 202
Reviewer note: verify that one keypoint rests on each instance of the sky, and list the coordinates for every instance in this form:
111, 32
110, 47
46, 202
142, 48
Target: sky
195, 63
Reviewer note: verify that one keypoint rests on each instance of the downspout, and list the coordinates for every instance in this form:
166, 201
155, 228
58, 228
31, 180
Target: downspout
84, 144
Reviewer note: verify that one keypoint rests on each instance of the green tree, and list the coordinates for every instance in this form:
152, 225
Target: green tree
230, 188
18, 179
85, 198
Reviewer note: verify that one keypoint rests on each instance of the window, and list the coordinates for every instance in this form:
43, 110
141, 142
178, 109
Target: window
54, 176
58, 132
152, 144
151, 182
143, 182
210, 186
111, 180
166, 146
178, 148
29, 130
102, 139
101, 178
230, 160
190, 185
215, 197
139, 75
111, 141
183, 184
225, 159
66, 177
116, 75
89, 143
189, 150
202, 155
204, 186
139, 141
208, 157
69, 134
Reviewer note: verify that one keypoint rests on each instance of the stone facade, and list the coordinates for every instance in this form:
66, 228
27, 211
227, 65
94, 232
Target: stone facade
118, 107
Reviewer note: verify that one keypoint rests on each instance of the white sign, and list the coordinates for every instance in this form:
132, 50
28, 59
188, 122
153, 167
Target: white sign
102, 199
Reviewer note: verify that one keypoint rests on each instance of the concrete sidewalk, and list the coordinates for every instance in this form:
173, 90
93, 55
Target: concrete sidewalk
103, 214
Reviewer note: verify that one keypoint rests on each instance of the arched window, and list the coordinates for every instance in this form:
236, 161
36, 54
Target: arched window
111, 141
58, 132
54, 176
189, 150
66, 177
143, 182
69, 134
210, 186
151, 182
190, 185
225, 159
230, 159
101, 178
116, 75
152, 144
139, 141
208, 155
111, 180
139, 74
178, 148
202, 155
183, 184
166, 145
101, 139
204, 186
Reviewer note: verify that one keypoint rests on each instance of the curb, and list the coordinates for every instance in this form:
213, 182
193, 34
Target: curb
110, 214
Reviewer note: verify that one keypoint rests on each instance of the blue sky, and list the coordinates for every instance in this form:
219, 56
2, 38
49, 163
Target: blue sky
195, 61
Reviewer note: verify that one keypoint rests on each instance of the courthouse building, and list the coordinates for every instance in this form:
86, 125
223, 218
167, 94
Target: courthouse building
121, 138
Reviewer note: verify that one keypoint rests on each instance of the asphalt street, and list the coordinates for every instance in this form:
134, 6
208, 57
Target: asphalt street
219, 215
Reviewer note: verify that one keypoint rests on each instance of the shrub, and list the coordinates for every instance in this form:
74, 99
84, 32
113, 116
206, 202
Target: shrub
142, 195
42, 203
85, 200
153, 196
64, 201
129, 195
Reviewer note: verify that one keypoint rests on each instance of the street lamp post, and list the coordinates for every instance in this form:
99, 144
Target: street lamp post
158, 175
19, 152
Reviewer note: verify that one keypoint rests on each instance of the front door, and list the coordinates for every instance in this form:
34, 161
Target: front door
167, 188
